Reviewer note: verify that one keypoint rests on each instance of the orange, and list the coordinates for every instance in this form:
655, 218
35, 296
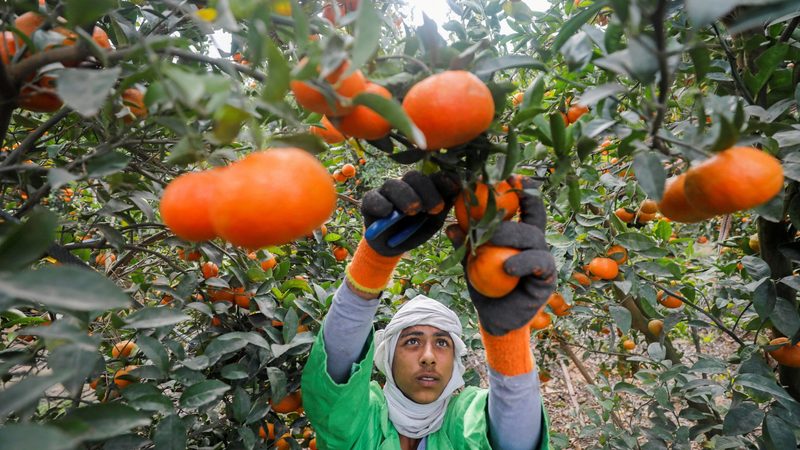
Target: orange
186, 201
29, 22
516, 100
273, 197
312, 445
123, 349
363, 122
486, 272
655, 327
101, 258
541, 320
290, 403
269, 434
575, 112
624, 215
644, 217
241, 298
648, 207
40, 96
134, 100
193, 255
269, 263
674, 204
544, 377
8, 47
312, 99
618, 254
604, 268
215, 321
788, 355
581, 278
340, 253
450, 108
628, 344
736, 179
93, 384
702, 239
209, 270
505, 199
362, 161
166, 300
558, 304
668, 301
122, 384
329, 133
338, 176
220, 295
349, 170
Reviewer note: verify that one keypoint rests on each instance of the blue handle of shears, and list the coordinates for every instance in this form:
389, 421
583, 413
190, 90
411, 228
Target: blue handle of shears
381, 225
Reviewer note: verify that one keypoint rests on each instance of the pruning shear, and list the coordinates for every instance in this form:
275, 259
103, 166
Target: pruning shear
381, 225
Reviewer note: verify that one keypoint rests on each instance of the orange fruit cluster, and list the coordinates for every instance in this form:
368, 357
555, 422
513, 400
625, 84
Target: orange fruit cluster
735, 179
345, 173
40, 96
645, 213
268, 198
504, 197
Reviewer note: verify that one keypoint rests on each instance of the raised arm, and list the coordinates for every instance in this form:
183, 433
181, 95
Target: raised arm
516, 418
425, 202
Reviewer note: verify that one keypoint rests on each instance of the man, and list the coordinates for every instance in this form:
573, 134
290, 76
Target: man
420, 350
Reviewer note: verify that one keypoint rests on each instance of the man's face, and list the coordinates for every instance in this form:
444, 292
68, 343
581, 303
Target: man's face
423, 362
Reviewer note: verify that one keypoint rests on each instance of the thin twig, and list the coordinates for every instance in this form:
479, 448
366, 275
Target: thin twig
33, 136
408, 58
571, 390
741, 88
663, 65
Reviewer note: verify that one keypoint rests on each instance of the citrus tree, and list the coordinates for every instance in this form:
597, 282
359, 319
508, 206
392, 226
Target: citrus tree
162, 277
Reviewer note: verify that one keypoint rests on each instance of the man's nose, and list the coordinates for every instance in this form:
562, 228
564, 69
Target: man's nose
428, 356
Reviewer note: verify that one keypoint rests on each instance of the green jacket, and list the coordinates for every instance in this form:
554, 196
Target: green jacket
354, 415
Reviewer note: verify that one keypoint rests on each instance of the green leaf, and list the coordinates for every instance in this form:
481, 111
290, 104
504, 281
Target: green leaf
277, 383
77, 360
622, 317
26, 242
780, 434
650, 174
84, 12
67, 287
701, 61
534, 94
300, 24
785, 317
240, 405
107, 164
574, 192
218, 348
512, 156
367, 35
635, 241
86, 90
102, 421
278, 73
767, 386
58, 177
756, 267
27, 392
249, 336
203, 393
485, 67
558, 134
154, 317
742, 419
597, 93
170, 434
16, 436
156, 352
574, 23
586, 146
306, 141
393, 112
577, 51
703, 12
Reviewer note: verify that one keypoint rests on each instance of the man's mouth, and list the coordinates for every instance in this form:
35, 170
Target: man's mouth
427, 380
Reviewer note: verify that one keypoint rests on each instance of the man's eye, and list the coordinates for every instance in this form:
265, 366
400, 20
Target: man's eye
444, 342
412, 341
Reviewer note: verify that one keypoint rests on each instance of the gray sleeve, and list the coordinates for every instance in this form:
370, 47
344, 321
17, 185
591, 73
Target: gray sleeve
345, 331
515, 411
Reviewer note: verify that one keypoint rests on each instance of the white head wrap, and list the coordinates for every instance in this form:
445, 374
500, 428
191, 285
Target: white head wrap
410, 418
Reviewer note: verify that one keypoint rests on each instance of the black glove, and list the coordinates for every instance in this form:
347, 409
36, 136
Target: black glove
425, 199
534, 265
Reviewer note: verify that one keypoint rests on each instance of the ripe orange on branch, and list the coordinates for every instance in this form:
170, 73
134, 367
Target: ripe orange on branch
736, 179
668, 301
604, 268
329, 133
787, 355
272, 197
363, 122
486, 272
450, 108
674, 204
618, 254
312, 99
505, 198
290, 403
134, 100
123, 349
186, 201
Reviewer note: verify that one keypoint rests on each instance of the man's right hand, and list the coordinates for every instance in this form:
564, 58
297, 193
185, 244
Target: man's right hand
421, 198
